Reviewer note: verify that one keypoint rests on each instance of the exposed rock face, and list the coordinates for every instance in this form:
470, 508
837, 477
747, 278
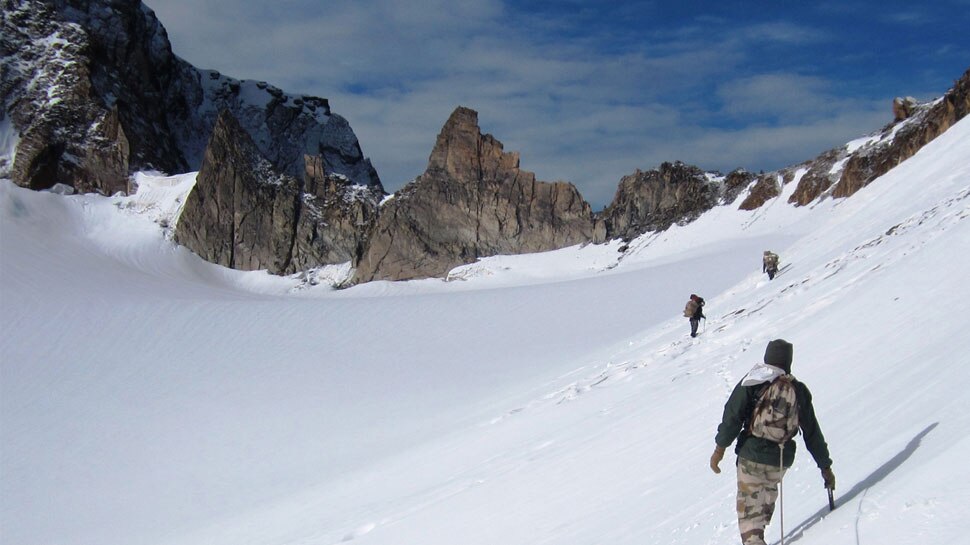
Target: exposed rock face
767, 186
472, 201
335, 220
240, 214
735, 183
656, 199
73, 68
66, 133
245, 215
822, 173
904, 107
902, 141
676, 193
843, 171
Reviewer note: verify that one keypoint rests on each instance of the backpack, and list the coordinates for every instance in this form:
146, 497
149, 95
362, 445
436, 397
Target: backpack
771, 261
690, 309
775, 415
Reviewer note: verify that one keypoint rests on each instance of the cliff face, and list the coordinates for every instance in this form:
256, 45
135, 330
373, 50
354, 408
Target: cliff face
336, 218
94, 91
472, 201
915, 126
244, 214
656, 199
842, 171
240, 214
66, 132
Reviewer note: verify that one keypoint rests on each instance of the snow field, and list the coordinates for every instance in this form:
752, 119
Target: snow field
149, 397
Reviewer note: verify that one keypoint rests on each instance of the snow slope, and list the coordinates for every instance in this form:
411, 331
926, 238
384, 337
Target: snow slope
151, 398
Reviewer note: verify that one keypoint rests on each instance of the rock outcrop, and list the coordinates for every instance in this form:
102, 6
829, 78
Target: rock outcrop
244, 214
842, 171
95, 92
336, 218
472, 201
766, 186
240, 214
735, 183
654, 200
902, 140
66, 132
904, 107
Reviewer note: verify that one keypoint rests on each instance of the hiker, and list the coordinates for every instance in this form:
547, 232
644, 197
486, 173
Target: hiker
769, 264
762, 462
695, 311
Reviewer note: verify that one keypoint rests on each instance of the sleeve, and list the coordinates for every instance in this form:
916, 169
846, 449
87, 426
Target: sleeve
733, 418
811, 431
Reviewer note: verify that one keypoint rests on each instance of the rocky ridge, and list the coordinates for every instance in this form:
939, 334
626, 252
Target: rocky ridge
245, 214
677, 193
472, 201
65, 131
95, 92
656, 199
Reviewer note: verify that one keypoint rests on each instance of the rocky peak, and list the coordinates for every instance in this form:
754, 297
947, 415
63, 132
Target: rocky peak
462, 152
245, 214
70, 66
241, 213
654, 200
472, 201
842, 171
65, 132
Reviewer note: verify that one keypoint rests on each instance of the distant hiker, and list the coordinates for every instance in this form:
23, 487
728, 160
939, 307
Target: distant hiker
765, 447
695, 311
769, 264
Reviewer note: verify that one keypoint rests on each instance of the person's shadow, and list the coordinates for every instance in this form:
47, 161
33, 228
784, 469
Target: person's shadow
879, 474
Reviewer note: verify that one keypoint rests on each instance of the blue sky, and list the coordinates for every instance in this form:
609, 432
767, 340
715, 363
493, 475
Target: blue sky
588, 92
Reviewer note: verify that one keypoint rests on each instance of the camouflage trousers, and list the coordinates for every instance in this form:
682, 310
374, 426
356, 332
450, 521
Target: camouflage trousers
757, 492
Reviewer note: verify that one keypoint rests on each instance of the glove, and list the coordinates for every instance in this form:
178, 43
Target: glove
828, 477
716, 458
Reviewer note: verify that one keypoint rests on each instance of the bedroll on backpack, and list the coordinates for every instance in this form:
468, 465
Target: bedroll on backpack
775, 416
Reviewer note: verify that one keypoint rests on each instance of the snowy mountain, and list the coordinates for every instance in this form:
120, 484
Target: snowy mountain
91, 92
148, 397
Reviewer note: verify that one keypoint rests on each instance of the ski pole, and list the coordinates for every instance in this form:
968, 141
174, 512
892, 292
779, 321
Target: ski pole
831, 500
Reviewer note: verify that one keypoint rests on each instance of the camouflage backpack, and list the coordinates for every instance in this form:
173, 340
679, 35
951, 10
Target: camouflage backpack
775, 415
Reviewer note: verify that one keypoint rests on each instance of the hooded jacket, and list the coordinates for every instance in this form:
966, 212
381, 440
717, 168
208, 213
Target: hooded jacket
740, 407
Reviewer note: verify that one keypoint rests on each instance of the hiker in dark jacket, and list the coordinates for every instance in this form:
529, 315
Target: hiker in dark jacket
760, 464
694, 311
